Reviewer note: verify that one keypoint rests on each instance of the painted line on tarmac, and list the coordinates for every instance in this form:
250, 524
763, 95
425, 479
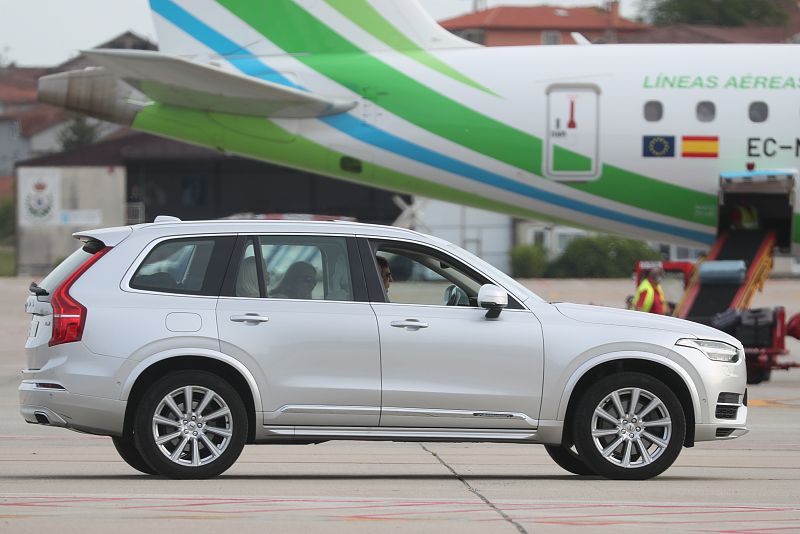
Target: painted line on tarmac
774, 403
721, 518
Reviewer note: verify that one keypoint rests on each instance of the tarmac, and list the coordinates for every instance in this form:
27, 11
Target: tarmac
54, 480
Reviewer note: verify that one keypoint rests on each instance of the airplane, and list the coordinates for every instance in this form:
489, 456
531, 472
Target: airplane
627, 139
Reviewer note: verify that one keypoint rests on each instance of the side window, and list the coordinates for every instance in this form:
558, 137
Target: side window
759, 111
296, 267
421, 276
191, 266
706, 111
653, 111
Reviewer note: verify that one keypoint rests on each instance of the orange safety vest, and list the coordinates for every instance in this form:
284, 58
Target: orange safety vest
650, 298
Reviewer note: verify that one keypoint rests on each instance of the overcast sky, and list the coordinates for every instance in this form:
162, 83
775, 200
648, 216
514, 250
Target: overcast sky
47, 32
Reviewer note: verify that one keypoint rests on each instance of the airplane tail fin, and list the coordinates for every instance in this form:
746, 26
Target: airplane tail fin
300, 26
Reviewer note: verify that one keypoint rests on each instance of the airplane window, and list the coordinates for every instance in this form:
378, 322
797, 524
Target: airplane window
706, 111
759, 111
653, 111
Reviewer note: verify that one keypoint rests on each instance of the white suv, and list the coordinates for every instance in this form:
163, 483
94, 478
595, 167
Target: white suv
184, 341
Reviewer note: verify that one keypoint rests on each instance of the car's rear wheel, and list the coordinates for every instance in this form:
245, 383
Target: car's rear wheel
190, 424
126, 447
567, 458
629, 426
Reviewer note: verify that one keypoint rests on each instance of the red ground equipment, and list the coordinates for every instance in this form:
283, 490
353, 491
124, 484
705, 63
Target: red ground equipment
719, 288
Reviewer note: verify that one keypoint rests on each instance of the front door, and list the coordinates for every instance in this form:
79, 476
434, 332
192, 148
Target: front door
297, 313
444, 364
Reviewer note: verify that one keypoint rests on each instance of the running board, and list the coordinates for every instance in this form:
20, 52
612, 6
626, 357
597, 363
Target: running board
307, 433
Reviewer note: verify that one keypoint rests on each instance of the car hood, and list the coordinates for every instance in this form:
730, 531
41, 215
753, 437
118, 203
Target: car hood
614, 316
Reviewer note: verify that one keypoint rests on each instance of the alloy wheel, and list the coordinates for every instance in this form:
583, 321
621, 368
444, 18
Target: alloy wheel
631, 427
192, 425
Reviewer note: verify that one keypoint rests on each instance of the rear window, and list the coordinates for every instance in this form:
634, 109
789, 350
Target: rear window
69, 266
192, 266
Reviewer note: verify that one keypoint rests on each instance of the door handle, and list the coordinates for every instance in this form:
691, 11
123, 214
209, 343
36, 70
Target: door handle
249, 318
411, 324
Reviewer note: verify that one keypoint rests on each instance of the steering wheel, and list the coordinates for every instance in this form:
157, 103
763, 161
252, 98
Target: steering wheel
455, 296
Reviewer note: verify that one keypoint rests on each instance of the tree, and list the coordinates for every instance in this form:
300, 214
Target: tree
717, 12
80, 132
600, 257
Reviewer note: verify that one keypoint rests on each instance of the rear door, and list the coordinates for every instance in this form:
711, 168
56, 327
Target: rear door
295, 306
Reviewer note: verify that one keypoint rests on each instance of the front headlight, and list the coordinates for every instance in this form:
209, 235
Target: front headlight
719, 351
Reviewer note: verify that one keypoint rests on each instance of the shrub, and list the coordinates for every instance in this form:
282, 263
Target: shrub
528, 261
600, 257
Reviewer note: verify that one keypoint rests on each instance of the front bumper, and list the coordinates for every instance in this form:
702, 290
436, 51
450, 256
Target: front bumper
718, 417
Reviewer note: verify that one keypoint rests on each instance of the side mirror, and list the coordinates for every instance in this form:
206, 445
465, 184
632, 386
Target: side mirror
493, 299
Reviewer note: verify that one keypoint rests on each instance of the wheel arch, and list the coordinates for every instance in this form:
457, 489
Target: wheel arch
222, 365
676, 378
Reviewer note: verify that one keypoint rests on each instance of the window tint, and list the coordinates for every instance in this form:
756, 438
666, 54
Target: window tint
706, 111
653, 111
426, 277
299, 267
759, 111
193, 266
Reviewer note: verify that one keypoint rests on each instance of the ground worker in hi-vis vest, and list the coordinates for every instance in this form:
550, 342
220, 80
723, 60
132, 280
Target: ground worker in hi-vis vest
649, 296
744, 217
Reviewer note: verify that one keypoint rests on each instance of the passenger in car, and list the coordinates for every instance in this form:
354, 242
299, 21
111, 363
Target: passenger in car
247, 280
298, 282
386, 272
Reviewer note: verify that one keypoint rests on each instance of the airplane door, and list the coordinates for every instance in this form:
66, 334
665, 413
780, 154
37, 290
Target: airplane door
573, 132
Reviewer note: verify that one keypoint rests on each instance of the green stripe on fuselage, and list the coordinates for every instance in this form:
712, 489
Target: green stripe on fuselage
368, 19
264, 140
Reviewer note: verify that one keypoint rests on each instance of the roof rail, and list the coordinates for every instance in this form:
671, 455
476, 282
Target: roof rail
166, 218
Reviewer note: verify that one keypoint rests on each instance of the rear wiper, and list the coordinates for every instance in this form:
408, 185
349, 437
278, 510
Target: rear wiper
36, 290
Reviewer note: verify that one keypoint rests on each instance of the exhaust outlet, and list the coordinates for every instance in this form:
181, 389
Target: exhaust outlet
41, 418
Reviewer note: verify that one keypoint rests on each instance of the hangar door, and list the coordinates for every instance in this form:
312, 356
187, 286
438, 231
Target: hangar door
572, 147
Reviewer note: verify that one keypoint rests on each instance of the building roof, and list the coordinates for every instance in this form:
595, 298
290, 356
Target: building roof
697, 33
18, 84
125, 41
38, 118
542, 18
118, 149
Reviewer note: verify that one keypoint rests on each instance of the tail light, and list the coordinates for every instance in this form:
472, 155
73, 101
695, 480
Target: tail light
69, 315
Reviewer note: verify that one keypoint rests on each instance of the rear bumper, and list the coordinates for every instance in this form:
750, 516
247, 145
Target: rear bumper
94, 415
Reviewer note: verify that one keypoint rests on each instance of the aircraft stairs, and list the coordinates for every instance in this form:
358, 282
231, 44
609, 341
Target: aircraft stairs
704, 299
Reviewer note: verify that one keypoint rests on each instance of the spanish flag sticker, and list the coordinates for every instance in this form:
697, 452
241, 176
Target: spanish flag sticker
699, 146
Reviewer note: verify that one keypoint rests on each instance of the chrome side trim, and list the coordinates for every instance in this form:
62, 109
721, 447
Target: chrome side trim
330, 410
466, 414
399, 434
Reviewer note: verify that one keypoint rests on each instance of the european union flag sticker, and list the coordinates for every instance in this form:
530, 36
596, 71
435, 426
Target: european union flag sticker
658, 146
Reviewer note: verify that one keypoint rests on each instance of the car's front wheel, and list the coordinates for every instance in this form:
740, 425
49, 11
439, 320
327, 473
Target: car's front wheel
629, 426
190, 424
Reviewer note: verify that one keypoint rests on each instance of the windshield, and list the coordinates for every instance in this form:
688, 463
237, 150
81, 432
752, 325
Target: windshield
522, 292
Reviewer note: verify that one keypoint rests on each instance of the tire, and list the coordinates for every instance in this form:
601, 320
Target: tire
126, 447
568, 459
625, 449
206, 439
758, 375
